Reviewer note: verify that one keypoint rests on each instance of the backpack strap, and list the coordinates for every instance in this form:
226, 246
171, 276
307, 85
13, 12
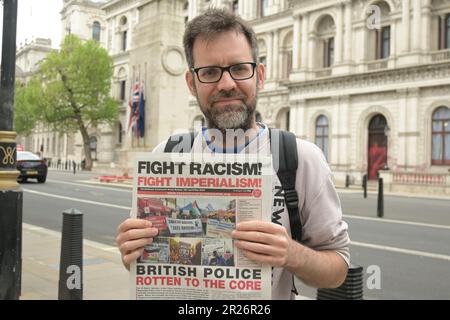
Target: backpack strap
284, 144
180, 142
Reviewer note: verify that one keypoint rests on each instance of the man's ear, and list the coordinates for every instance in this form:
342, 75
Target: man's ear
190, 82
261, 69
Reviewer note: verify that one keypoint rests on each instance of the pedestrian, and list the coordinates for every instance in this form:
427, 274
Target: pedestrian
225, 77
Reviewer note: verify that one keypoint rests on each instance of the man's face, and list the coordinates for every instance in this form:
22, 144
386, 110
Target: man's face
227, 104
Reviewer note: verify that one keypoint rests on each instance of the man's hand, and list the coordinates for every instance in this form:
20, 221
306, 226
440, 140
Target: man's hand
132, 236
264, 242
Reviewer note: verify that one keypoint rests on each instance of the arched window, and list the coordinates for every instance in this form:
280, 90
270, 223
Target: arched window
379, 42
120, 133
440, 153
326, 31
258, 117
96, 31
447, 32
322, 134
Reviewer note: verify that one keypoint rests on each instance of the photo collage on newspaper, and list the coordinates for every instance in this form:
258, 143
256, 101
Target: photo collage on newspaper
195, 201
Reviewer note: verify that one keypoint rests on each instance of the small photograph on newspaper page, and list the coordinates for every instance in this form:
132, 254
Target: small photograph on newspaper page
196, 204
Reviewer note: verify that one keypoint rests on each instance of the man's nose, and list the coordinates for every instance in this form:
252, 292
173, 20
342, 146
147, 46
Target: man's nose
226, 83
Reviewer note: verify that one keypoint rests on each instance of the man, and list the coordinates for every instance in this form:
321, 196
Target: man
224, 76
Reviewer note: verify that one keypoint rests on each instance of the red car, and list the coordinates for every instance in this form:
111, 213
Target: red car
31, 166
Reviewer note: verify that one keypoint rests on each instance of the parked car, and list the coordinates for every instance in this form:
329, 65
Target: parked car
32, 166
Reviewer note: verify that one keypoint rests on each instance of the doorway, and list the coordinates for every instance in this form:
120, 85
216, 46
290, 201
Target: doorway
377, 153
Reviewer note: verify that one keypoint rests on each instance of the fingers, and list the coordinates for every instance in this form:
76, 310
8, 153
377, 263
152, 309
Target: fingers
263, 226
132, 236
133, 223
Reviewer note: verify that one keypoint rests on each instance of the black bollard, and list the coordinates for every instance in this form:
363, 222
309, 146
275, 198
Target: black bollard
351, 289
364, 185
347, 181
71, 263
380, 203
74, 167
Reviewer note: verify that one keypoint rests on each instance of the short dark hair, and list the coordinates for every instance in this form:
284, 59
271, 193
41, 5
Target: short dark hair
213, 22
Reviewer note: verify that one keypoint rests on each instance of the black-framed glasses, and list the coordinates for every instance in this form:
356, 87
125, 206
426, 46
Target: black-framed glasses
212, 74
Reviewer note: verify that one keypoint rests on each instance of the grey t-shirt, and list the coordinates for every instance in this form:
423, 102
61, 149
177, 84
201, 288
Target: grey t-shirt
319, 205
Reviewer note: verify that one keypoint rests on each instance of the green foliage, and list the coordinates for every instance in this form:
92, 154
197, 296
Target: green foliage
27, 101
75, 86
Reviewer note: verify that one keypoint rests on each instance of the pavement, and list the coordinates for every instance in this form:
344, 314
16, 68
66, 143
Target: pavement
104, 276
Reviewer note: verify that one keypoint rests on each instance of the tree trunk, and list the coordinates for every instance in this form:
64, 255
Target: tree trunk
86, 144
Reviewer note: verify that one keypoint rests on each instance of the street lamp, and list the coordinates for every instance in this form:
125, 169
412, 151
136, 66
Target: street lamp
10, 192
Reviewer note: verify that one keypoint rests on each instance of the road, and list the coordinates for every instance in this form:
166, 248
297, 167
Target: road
409, 246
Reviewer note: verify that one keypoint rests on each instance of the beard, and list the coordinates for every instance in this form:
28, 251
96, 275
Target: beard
232, 116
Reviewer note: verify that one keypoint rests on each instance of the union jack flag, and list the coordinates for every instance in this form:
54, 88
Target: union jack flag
136, 120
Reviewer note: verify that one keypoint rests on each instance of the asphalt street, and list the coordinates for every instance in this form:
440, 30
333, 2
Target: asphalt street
409, 246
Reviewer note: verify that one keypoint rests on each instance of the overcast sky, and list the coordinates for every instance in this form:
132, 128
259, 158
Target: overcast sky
37, 19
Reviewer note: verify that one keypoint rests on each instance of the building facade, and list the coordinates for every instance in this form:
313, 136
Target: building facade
368, 81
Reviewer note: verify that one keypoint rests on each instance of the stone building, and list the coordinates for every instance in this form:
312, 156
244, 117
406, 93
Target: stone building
368, 81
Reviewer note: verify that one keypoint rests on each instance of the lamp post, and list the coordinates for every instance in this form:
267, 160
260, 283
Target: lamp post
10, 192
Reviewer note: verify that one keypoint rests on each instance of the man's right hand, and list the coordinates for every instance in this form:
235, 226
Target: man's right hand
132, 236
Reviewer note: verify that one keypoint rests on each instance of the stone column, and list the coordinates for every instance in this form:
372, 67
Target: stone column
192, 9
393, 44
406, 23
276, 55
412, 128
417, 23
426, 26
334, 133
298, 121
305, 38
402, 96
339, 35
296, 43
348, 32
270, 57
344, 135
311, 54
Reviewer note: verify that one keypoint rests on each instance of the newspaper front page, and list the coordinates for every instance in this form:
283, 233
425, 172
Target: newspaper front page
195, 201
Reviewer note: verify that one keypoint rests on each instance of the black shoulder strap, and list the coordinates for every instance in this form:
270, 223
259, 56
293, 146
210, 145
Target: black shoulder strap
180, 143
283, 145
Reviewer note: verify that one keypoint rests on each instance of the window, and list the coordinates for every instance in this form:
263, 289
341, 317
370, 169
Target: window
96, 31
235, 6
263, 6
328, 53
444, 32
119, 129
258, 117
124, 40
440, 154
322, 134
122, 89
383, 40
447, 32
263, 60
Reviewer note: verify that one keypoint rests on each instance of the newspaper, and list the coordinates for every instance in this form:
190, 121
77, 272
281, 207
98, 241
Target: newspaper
195, 201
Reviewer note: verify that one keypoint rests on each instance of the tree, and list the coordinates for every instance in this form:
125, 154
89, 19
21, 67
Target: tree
26, 106
74, 89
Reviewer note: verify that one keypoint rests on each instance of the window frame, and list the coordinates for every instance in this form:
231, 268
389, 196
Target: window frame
322, 137
96, 26
442, 133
